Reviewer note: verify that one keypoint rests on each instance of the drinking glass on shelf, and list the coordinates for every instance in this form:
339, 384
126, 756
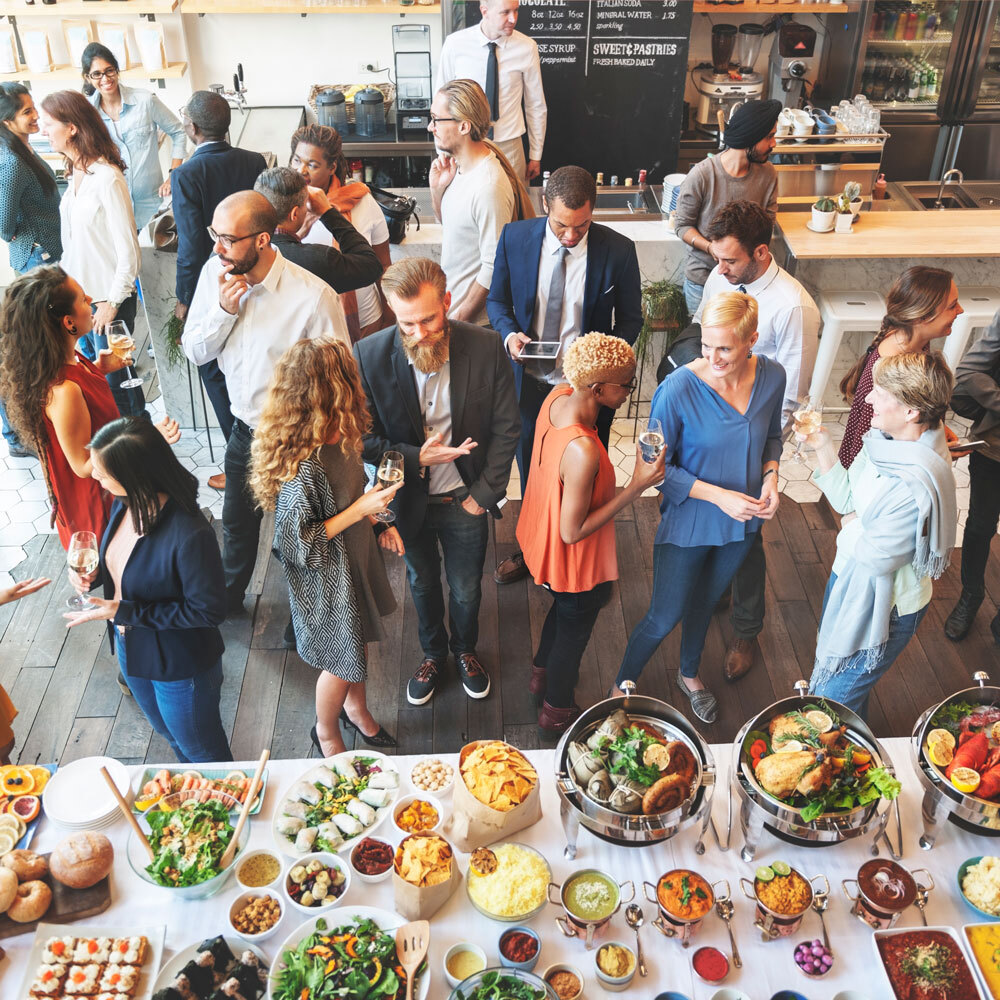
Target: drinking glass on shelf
122, 345
651, 441
82, 556
806, 420
390, 472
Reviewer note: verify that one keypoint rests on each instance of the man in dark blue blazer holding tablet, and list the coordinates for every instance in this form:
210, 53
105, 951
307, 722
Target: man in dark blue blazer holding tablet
555, 278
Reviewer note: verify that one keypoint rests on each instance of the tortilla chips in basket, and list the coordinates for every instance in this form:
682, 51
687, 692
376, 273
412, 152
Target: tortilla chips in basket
498, 775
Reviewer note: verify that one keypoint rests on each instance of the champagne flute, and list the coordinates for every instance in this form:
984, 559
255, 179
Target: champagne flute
82, 556
806, 420
651, 440
390, 472
122, 345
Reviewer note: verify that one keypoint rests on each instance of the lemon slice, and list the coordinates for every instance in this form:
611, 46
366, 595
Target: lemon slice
143, 804
995, 731
820, 721
7, 841
965, 780
789, 746
940, 753
943, 736
8, 821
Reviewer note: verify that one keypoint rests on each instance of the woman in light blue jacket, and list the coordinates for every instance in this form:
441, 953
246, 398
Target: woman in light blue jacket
133, 117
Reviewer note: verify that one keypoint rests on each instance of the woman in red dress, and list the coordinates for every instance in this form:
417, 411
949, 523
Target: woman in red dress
55, 397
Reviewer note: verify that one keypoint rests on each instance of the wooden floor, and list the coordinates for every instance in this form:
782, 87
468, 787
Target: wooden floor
70, 706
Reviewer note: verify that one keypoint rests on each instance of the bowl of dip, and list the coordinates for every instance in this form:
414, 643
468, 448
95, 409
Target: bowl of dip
519, 948
615, 966
259, 869
566, 981
463, 960
589, 898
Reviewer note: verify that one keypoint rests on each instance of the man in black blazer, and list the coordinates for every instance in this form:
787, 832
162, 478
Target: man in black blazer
555, 278
441, 394
212, 173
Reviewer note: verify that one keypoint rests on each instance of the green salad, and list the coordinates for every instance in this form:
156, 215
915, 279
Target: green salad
500, 986
188, 842
355, 960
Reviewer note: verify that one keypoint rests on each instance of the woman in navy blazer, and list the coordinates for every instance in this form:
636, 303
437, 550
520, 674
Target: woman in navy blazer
164, 590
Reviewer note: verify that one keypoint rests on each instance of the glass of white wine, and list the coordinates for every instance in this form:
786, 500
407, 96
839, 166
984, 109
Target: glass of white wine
82, 556
806, 420
390, 472
122, 345
651, 440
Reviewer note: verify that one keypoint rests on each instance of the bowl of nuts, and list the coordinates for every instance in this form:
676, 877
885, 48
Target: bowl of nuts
255, 915
316, 881
432, 775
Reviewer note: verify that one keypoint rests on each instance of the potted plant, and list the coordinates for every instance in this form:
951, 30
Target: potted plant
853, 191
663, 308
823, 212
845, 212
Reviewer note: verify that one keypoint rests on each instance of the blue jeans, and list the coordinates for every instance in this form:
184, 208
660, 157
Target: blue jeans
462, 538
130, 402
692, 296
852, 684
185, 712
687, 584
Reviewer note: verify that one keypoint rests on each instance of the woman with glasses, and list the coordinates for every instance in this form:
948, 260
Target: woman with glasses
134, 119
721, 420
100, 249
566, 529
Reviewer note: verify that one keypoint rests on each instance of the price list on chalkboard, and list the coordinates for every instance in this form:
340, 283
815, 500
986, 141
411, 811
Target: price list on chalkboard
613, 73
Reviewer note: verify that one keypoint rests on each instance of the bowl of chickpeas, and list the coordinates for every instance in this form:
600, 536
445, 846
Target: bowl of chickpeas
316, 882
432, 775
255, 915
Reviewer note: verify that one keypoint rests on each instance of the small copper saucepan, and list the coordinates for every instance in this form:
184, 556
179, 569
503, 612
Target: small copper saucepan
683, 898
883, 890
572, 924
777, 923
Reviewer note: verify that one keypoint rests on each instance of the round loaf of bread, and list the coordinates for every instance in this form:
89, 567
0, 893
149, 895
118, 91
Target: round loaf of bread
82, 859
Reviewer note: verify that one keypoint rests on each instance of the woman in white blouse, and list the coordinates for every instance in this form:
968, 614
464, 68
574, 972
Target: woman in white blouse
100, 249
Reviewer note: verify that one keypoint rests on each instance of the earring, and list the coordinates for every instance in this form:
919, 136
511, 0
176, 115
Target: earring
749, 355
72, 328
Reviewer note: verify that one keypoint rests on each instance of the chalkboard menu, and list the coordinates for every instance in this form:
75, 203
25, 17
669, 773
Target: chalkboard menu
613, 72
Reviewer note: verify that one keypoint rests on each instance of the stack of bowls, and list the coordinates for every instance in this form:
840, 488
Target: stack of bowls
671, 191
802, 124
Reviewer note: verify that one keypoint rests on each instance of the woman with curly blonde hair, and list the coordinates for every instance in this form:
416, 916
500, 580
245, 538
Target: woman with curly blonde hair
307, 468
566, 527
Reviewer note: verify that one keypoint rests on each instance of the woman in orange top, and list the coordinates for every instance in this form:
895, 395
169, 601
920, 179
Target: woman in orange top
566, 527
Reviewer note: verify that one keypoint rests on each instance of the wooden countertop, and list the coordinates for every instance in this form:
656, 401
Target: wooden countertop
965, 233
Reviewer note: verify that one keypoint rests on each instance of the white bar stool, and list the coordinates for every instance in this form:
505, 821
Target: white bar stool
980, 303
842, 312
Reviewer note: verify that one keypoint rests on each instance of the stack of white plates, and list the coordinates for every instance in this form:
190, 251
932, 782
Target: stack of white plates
78, 798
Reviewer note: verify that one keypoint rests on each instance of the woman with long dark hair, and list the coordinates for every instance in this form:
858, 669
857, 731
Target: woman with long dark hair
100, 249
57, 399
134, 118
164, 590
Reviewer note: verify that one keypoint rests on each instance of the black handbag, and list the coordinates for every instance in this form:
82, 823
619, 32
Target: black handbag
397, 211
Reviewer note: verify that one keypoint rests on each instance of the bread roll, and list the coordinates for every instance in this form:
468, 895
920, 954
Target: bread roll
30, 903
8, 888
26, 865
82, 859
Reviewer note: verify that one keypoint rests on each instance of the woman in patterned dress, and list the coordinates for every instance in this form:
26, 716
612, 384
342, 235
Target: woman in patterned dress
307, 468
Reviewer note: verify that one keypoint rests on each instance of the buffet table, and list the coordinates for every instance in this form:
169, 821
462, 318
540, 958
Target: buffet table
767, 967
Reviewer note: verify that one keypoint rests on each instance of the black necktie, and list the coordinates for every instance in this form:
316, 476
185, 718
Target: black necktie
743, 289
493, 83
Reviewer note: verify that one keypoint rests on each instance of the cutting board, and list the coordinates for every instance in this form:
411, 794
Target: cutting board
68, 905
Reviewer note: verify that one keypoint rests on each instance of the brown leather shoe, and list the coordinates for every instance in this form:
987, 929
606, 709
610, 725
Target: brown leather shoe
537, 683
218, 481
511, 569
739, 658
556, 720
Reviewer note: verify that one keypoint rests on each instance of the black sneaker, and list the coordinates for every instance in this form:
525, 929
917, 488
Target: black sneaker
475, 680
289, 637
421, 686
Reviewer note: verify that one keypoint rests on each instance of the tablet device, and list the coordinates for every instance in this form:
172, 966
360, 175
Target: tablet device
541, 349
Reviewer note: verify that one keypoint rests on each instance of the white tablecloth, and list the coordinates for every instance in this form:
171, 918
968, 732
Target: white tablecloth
767, 967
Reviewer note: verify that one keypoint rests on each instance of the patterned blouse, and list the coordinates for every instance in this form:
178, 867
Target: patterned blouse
28, 215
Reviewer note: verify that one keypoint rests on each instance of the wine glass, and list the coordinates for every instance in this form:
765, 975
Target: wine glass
122, 345
651, 440
806, 420
390, 472
82, 556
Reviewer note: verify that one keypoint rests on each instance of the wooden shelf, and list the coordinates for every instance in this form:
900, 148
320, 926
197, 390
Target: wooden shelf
86, 8
300, 7
771, 7
173, 71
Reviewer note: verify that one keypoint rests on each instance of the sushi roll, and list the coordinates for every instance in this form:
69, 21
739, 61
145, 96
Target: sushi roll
306, 792
305, 838
321, 775
361, 811
222, 954
167, 993
348, 824
330, 832
344, 768
289, 825
200, 979
292, 807
384, 779
248, 979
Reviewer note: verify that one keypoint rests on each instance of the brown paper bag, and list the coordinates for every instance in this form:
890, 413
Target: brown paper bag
473, 824
421, 903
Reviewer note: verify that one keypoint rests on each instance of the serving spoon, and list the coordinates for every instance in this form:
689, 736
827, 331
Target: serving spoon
412, 941
724, 907
820, 902
635, 919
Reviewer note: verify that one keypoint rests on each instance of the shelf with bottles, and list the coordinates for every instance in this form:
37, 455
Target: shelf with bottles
907, 105
86, 8
899, 43
172, 71
306, 7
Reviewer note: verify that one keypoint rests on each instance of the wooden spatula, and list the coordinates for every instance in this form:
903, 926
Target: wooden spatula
230, 852
412, 941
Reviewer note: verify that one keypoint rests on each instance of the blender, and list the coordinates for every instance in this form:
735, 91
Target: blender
749, 39
726, 85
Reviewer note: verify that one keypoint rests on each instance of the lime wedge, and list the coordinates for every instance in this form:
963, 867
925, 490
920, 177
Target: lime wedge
781, 868
764, 874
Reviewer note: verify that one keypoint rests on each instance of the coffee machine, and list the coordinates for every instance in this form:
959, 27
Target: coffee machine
791, 63
411, 46
730, 81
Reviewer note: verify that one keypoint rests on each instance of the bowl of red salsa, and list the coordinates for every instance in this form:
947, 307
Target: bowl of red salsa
925, 964
372, 859
519, 948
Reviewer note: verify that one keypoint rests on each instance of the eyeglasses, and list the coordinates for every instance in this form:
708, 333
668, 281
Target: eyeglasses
621, 385
434, 120
111, 73
230, 241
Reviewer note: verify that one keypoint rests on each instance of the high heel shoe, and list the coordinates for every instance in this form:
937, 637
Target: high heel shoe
380, 739
315, 738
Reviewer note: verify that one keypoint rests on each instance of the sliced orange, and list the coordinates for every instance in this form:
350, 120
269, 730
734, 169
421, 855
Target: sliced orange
965, 780
41, 776
18, 781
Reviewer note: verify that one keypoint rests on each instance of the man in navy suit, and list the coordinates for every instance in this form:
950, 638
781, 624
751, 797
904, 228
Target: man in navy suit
213, 172
555, 278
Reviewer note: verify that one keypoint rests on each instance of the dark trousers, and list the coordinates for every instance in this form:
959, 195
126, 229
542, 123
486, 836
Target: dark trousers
687, 584
748, 592
218, 395
240, 516
565, 635
981, 526
462, 538
130, 402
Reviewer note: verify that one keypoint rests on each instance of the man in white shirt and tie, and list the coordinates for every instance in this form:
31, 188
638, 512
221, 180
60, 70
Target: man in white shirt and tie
250, 306
505, 63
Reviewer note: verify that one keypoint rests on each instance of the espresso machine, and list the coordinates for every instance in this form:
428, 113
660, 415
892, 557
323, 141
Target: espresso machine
732, 79
791, 63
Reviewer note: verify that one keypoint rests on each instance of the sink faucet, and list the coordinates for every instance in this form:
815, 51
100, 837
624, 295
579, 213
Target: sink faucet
236, 98
944, 180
